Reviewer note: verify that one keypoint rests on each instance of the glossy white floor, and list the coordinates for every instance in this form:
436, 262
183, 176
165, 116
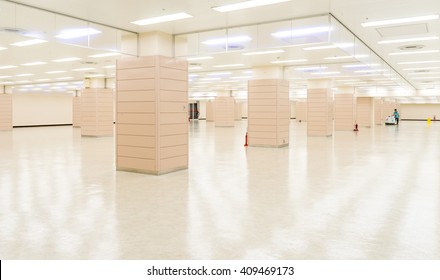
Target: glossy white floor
371, 195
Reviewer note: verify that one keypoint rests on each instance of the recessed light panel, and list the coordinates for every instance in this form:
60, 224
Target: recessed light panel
246, 5
77, 33
160, 19
400, 20
29, 43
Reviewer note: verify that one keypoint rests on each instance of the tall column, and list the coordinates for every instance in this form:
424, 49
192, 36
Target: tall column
224, 111
345, 109
378, 111
268, 108
152, 110
96, 109
364, 111
238, 111
301, 111
210, 111
5, 110
319, 100
76, 110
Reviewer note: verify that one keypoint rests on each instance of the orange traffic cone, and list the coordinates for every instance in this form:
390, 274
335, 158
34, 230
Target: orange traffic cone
356, 127
246, 140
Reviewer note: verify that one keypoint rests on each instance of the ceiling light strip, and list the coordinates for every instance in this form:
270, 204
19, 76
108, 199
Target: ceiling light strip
399, 20
246, 5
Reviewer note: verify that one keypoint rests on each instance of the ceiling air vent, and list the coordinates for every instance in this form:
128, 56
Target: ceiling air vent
89, 62
411, 47
234, 47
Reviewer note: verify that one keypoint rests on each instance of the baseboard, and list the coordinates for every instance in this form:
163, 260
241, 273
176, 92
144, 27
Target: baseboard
41, 125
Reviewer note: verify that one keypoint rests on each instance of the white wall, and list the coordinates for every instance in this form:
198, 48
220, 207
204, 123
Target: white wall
41, 109
420, 111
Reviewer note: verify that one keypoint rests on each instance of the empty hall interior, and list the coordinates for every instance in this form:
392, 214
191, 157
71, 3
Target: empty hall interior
220, 129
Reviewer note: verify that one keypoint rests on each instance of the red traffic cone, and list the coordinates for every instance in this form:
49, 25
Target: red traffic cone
356, 127
246, 140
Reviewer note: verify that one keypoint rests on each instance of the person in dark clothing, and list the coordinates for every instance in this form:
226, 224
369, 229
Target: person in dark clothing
396, 116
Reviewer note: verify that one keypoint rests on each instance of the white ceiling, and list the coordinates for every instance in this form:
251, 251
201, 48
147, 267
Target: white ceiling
118, 13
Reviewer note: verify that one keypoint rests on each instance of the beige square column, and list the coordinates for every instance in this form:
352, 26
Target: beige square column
224, 111
301, 111
76, 110
364, 111
319, 112
210, 111
268, 112
152, 115
345, 109
96, 109
5, 111
238, 111
378, 111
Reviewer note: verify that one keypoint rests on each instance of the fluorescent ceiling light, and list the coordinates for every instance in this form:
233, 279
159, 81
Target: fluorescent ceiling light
66, 59
8, 66
408, 40
289, 61
109, 66
2, 48
320, 48
4, 77
241, 78
360, 65
370, 71
426, 78
55, 72
160, 19
43, 80
24, 75
311, 68
264, 52
28, 43
95, 76
301, 32
227, 40
64, 78
326, 73
210, 79
104, 54
418, 62
77, 33
195, 68
220, 74
421, 68
199, 58
83, 69
246, 5
399, 20
34, 63
228, 65
338, 57
414, 52
420, 73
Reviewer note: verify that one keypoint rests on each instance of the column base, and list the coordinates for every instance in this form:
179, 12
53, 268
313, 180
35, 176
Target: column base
269, 146
150, 172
